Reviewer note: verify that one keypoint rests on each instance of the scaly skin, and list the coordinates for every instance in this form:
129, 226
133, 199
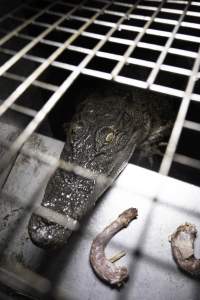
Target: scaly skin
101, 137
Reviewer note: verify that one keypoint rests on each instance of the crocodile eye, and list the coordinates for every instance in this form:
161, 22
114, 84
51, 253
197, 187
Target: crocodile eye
105, 137
110, 137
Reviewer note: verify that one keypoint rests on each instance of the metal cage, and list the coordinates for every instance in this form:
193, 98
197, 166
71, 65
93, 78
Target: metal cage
150, 44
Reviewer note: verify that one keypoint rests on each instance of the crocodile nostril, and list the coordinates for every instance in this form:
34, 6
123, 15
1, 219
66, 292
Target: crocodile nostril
47, 234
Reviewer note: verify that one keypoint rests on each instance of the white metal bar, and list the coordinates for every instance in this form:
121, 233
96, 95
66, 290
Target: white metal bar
166, 90
25, 281
144, 18
79, 49
191, 25
53, 216
63, 66
172, 11
141, 62
131, 82
122, 41
147, 7
97, 74
115, 13
183, 52
24, 110
187, 161
177, 1
104, 23
195, 3
150, 46
195, 97
175, 70
108, 55
158, 32
166, 21
193, 13
120, 3
192, 125
186, 37
44, 85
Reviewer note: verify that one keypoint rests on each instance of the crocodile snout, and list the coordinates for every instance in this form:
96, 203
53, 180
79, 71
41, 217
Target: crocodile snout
46, 234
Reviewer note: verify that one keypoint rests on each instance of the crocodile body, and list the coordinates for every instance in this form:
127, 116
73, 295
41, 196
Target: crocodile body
101, 137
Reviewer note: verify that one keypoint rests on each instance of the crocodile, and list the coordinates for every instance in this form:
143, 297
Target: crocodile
102, 136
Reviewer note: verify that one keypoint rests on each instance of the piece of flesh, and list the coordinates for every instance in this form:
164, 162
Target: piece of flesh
103, 267
182, 245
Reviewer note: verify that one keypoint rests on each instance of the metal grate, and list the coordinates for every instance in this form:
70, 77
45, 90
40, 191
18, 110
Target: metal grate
151, 44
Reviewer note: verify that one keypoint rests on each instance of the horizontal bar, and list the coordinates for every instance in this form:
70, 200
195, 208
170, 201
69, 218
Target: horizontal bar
21, 109
166, 90
166, 21
150, 46
97, 74
51, 215
109, 56
183, 52
190, 25
130, 81
43, 85
140, 62
24, 281
192, 125
187, 161
195, 97
190, 38
176, 70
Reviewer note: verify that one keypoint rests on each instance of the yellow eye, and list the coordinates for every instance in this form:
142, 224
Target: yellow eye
110, 137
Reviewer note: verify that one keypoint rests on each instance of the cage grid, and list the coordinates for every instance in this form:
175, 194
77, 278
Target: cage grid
136, 44
151, 44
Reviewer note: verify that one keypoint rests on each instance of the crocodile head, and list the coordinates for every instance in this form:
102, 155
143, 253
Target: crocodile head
100, 138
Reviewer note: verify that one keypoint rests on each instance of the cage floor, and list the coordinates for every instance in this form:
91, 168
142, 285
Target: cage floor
163, 204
